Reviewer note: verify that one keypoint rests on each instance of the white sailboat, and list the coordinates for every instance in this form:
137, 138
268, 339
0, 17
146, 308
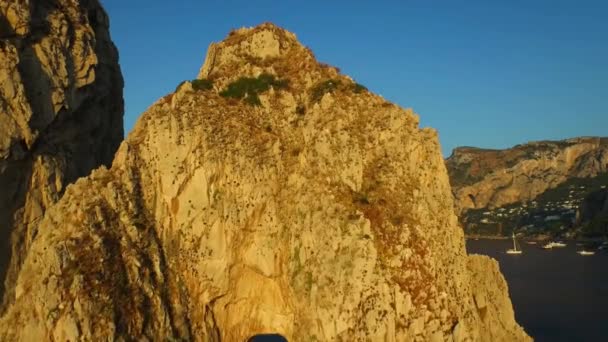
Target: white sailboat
585, 252
514, 250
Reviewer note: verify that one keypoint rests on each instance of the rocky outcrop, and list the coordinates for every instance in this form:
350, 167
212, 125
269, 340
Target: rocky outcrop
592, 214
489, 288
484, 178
304, 206
61, 113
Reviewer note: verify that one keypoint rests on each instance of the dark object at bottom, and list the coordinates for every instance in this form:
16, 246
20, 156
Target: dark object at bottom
268, 338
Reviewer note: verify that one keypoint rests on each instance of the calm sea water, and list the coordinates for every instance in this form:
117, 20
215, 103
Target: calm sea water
557, 294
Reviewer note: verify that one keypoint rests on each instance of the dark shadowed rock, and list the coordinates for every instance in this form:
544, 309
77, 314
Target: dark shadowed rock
61, 111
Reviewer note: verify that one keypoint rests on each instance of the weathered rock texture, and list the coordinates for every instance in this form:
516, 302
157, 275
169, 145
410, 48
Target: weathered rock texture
592, 214
329, 220
484, 178
61, 113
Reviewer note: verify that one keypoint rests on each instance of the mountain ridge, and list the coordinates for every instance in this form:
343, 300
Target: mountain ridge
501, 188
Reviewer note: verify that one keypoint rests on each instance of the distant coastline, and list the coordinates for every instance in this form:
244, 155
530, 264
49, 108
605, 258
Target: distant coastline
535, 238
485, 237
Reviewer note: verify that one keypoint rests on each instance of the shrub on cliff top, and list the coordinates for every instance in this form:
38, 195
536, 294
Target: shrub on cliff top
358, 88
322, 88
198, 84
202, 84
330, 86
248, 88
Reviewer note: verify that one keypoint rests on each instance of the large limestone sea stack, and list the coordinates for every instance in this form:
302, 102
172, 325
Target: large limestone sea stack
274, 195
61, 113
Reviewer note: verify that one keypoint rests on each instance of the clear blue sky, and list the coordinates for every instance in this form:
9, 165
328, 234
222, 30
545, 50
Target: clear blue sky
483, 73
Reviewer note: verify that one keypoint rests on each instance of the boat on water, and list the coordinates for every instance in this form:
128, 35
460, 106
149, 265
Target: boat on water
514, 250
531, 242
584, 252
554, 244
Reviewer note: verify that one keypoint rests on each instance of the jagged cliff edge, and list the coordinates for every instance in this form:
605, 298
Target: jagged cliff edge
61, 111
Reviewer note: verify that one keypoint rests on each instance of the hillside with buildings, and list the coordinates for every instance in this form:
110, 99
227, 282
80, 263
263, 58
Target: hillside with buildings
534, 189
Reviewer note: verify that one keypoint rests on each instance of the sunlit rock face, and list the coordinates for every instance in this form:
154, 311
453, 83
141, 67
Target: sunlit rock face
310, 208
484, 178
61, 113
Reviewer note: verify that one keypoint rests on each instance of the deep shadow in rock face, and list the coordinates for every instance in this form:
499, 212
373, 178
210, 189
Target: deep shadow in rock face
36, 82
14, 185
6, 31
8, 184
15, 172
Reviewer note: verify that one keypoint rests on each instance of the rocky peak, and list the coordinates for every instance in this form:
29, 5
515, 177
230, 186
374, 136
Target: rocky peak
266, 49
271, 195
251, 47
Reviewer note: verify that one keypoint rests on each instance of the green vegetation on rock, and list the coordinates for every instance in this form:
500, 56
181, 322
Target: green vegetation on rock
202, 84
322, 88
198, 84
249, 88
359, 88
331, 86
